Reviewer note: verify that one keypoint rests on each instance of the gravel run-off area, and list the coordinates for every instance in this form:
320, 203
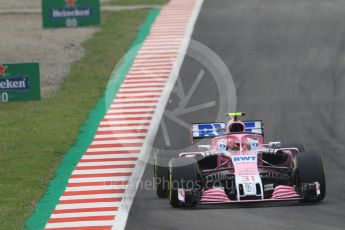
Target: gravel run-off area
23, 40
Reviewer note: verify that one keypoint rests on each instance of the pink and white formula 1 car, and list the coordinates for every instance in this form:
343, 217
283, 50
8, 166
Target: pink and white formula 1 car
238, 167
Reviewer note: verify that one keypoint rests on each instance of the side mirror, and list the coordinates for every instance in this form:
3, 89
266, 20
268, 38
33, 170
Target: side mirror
274, 144
204, 147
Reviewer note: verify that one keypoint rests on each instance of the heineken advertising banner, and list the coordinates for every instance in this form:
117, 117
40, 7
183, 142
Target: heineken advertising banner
70, 13
19, 82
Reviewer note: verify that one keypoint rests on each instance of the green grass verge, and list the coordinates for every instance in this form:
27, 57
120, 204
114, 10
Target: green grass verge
139, 2
36, 135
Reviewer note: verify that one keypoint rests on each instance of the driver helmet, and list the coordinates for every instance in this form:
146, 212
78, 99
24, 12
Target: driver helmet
235, 126
234, 146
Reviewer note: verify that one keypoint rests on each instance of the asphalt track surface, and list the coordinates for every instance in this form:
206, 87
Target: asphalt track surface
288, 63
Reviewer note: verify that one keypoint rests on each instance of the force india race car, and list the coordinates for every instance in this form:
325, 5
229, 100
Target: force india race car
237, 167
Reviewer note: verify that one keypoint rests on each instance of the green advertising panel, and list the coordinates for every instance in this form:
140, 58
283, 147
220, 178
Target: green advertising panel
70, 13
20, 82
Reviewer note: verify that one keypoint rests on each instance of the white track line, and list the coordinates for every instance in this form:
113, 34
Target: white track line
79, 224
138, 116
99, 179
119, 135
136, 95
126, 100
123, 128
91, 150
124, 208
87, 205
117, 141
91, 188
125, 105
100, 171
122, 90
107, 156
106, 163
127, 110
94, 196
135, 123
145, 101
83, 214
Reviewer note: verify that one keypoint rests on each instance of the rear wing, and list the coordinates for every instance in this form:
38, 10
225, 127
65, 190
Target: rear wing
210, 130
254, 127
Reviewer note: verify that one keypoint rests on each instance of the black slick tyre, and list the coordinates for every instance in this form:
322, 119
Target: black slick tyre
161, 175
183, 173
310, 169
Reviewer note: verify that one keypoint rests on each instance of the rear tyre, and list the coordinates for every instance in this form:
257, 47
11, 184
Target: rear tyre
161, 175
183, 175
310, 169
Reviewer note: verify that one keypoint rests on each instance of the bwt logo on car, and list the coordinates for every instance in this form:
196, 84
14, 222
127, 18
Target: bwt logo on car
244, 159
18, 83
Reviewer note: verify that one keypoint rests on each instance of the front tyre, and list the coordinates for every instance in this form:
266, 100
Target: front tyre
161, 175
183, 175
310, 169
